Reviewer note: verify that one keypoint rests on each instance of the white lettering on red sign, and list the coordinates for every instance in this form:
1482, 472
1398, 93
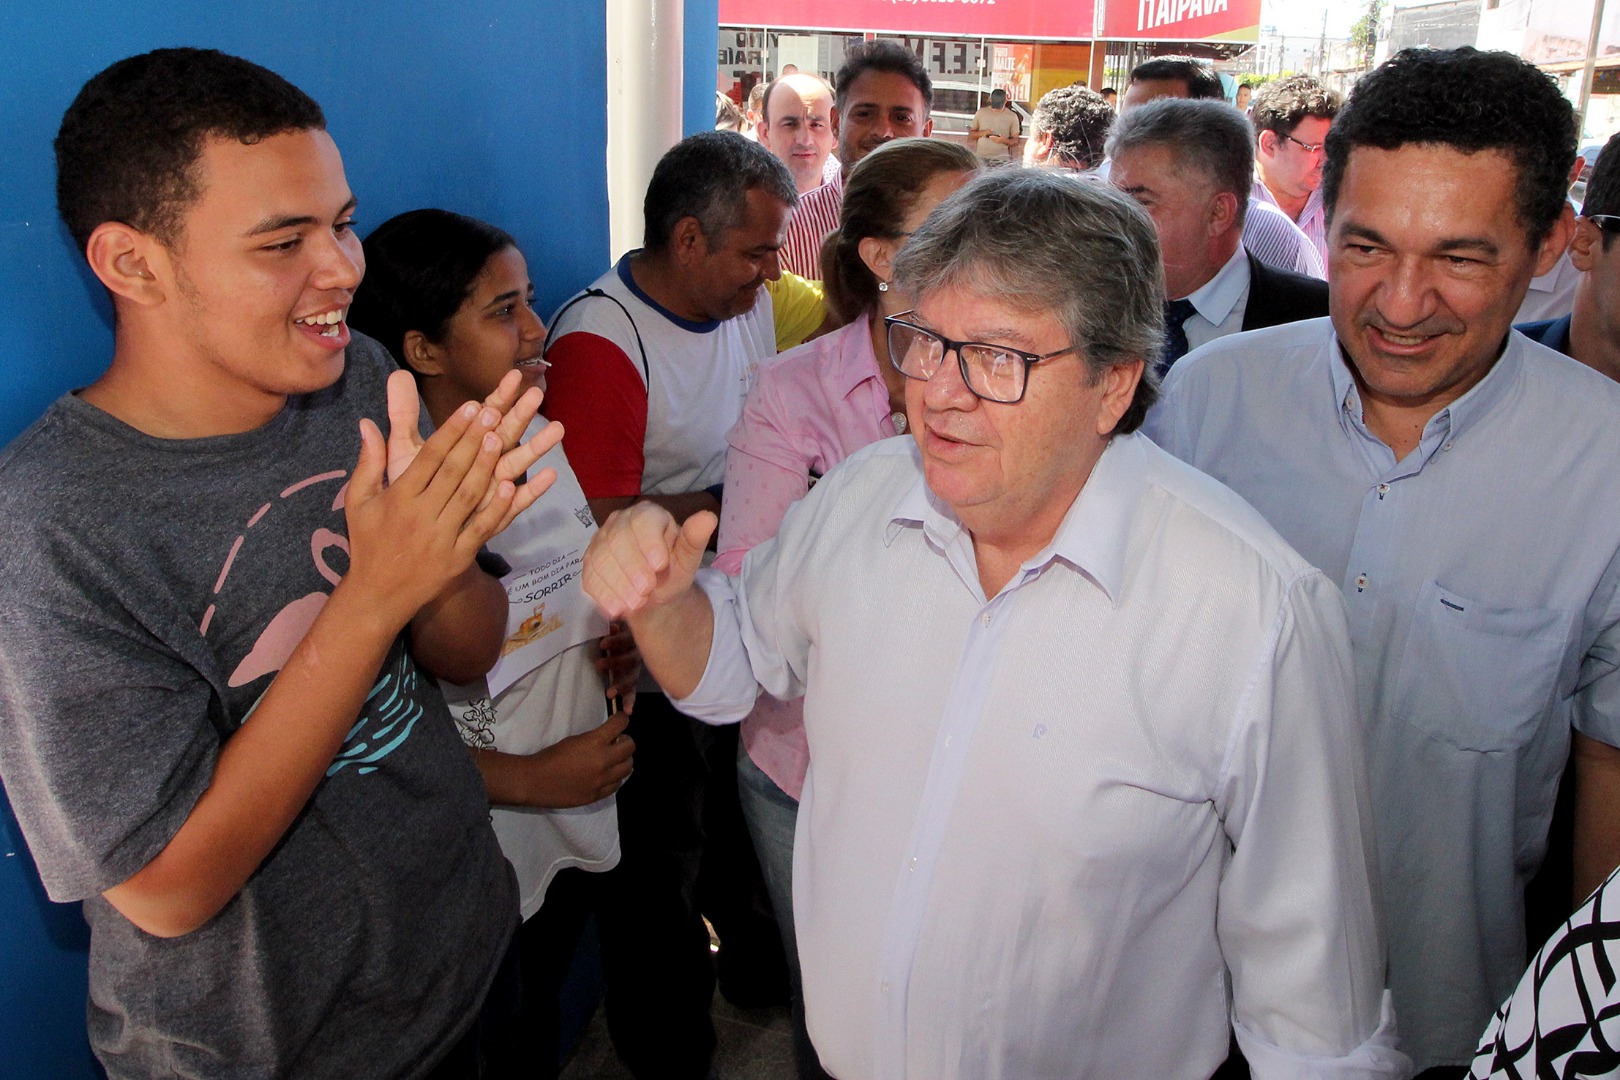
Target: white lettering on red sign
1151, 13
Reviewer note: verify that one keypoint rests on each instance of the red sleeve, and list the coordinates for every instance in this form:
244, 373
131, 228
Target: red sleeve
593, 390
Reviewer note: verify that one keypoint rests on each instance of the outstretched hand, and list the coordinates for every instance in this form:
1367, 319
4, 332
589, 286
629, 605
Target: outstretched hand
516, 408
419, 511
640, 558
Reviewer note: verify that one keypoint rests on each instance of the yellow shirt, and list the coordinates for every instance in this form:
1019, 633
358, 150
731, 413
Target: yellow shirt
800, 308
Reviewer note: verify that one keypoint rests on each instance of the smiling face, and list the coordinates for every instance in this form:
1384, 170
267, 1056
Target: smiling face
260, 276
1010, 472
798, 128
494, 331
723, 279
1429, 262
878, 106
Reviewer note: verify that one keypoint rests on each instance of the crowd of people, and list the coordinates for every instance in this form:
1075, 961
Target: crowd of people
1139, 625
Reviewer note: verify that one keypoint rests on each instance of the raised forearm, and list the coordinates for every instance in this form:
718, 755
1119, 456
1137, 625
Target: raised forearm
265, 772
675, 639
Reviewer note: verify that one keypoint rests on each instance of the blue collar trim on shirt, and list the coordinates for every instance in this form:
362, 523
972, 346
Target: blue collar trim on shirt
635, 290
1094, 536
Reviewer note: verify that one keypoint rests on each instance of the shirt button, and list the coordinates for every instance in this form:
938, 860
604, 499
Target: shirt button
1383, 489
913, 864
885, 986
985, 618
1361, 583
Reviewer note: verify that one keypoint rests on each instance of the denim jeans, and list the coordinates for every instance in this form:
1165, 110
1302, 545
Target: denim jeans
772, 815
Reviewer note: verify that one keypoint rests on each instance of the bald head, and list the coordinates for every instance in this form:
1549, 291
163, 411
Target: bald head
797, 126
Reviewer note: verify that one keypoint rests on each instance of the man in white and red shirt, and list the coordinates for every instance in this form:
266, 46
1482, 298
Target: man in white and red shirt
649, 368
883, 93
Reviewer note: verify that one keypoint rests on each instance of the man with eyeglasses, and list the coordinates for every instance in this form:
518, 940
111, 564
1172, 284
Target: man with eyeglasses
1085, 794
1291, 118
1459, 482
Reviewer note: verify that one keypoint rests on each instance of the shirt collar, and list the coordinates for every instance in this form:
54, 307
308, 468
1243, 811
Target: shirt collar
635, 290
853, 362
1455, 418
1216, 298
1093, 537
1314, 210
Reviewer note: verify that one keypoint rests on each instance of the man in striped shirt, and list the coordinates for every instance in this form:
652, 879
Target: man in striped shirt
883, 92
1291, 119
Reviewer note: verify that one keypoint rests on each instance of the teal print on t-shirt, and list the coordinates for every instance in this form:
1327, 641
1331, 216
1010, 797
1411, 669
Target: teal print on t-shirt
386, 720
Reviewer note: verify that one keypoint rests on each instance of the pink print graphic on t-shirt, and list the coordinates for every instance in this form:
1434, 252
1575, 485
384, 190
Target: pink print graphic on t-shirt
288, 627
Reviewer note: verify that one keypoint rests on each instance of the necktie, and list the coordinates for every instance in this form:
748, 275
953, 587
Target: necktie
1176, 312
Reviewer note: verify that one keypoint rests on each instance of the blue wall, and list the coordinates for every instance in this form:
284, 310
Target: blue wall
496, 110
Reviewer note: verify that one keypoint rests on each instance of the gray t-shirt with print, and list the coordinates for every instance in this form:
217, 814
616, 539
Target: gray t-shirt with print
149, 592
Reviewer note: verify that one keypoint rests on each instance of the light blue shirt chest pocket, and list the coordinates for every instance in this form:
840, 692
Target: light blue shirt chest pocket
1477, 676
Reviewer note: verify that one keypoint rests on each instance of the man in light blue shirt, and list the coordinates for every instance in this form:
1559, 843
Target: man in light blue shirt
1460, 484
1086, 796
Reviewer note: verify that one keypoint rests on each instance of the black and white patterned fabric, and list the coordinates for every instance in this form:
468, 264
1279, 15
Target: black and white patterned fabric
1563, 1020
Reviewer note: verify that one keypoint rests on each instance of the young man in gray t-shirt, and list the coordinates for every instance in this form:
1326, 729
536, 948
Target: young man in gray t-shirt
215, 729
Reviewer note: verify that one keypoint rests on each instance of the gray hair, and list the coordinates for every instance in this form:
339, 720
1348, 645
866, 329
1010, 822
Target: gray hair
708, 176
1078, 119
1209, 138
1043, 241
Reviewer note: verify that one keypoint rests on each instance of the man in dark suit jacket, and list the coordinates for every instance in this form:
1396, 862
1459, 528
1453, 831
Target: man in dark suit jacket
1191, 165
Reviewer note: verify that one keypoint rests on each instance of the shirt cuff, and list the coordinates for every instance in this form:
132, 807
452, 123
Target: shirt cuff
726, 693
1375, 1059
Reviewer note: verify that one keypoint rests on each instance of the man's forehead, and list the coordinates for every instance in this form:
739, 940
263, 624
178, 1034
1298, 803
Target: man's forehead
795, 91
273, 172
764, 216
959, 311
1465, 196
886, 88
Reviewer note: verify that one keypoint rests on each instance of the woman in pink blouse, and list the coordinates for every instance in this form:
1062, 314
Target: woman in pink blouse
809, 409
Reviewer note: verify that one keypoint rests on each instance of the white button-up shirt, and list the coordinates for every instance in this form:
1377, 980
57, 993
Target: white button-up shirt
1219, 303
1481, 577
1057, 831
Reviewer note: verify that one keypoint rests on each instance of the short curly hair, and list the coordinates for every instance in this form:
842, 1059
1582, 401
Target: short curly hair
1469, 101
1078, 119
129, 145
1281, 104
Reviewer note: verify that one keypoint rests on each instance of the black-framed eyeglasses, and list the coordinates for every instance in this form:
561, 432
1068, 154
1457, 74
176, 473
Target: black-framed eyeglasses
1309, 148
993, 372
1609, 223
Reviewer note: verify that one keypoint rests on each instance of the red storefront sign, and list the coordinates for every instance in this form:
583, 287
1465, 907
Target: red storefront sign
1182, 20
1067, 20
